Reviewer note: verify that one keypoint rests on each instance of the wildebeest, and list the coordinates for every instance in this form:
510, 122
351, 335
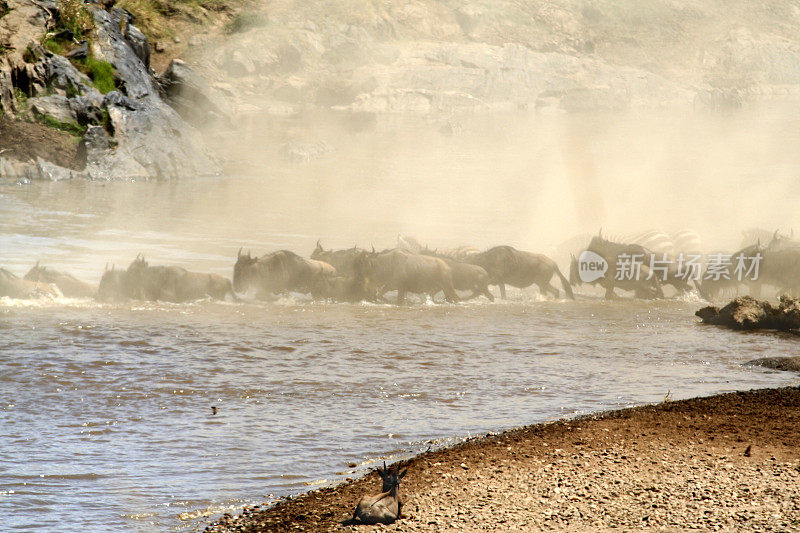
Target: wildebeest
113, 285
713, 287
612, 252
280, 272
69, 285
508, 266
781, 268
384, 507
173, 283
165, 283
343, 261
405, 272
782, 242
466, 276
13, 286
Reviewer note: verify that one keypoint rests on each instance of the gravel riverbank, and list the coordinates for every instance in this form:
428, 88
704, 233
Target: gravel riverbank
725, 462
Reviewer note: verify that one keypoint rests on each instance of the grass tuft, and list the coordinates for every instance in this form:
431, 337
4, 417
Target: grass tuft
72, 129
100, 72
75, 17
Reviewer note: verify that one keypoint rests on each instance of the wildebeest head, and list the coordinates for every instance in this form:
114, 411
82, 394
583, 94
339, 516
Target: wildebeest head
37, 273
391, 477
243, 271
113, 285
319, 252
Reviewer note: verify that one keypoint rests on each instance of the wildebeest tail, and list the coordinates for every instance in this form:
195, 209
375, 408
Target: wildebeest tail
565, 283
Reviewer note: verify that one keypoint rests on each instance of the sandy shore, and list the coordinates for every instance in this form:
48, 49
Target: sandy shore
726, 462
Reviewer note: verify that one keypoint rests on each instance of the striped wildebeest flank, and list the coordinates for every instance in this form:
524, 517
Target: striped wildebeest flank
408, 243
143, 281
279, 273
508, 266
12, 286
668, 250
466, 276
69, 285
460, 253
642, 284
384, 507
405, 272
782, 242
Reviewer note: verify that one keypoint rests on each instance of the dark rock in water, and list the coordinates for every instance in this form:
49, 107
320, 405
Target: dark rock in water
788, 364
747, 313
191, 96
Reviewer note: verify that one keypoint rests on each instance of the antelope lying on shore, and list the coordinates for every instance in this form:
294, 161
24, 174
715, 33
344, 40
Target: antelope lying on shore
383, 508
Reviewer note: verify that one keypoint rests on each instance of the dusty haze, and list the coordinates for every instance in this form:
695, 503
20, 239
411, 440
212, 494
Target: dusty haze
524, 123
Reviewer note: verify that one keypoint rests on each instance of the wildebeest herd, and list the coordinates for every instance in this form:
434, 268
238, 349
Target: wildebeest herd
357, 274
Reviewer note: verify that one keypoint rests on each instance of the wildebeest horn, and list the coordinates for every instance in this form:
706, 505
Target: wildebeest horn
775, 235
373, 248
239, 253
600, 233
319, 245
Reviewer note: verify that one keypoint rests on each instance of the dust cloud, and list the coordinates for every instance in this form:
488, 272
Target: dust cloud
506, 167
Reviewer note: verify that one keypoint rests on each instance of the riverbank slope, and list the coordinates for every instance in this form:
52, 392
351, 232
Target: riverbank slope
730, 461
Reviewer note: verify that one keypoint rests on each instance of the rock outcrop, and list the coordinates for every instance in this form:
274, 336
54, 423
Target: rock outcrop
143, 137
787, 364
423, 57
747, 313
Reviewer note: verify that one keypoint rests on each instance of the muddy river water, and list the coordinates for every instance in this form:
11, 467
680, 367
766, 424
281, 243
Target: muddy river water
105, 409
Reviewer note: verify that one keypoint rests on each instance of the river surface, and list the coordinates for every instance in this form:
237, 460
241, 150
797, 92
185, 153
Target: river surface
105, 409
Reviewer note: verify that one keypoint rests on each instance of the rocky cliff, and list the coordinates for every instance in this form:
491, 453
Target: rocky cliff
422, 56
91, 78
85, 70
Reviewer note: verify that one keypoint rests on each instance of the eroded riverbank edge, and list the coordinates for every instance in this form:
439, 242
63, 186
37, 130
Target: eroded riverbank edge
718, 462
